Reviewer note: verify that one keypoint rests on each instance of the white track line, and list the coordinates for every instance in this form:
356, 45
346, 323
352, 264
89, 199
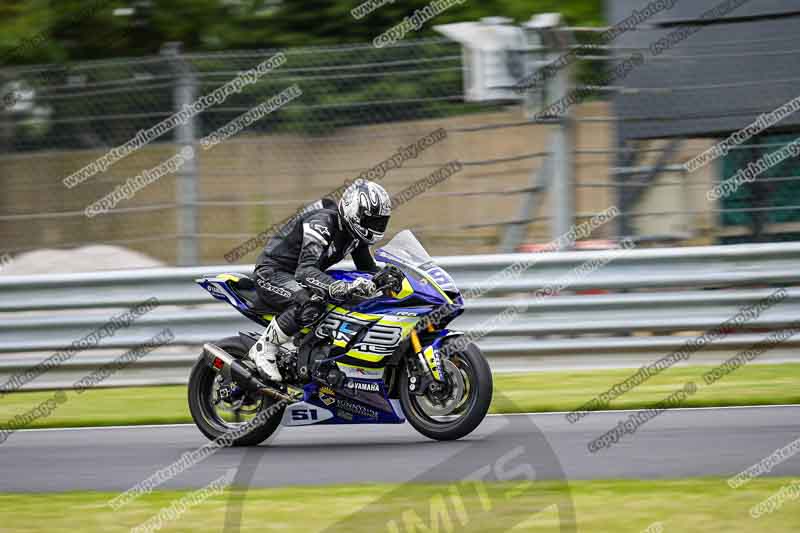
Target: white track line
165, 426
766, 406
144, 426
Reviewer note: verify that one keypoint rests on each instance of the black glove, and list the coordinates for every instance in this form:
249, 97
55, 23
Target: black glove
341, 290
389, 279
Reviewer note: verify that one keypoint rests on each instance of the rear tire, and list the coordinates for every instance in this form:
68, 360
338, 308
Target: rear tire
201, 382
480, 376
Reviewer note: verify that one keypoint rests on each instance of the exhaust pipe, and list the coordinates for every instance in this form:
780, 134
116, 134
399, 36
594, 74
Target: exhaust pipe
227, 365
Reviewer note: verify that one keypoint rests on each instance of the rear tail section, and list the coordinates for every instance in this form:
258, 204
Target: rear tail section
239, 291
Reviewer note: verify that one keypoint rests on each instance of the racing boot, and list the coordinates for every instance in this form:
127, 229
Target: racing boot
265, 349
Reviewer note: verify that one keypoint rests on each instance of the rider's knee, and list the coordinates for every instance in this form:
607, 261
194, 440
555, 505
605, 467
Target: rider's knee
308, 308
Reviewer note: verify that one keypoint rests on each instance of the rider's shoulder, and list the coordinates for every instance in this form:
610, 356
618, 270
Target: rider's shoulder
323, 216
326, 212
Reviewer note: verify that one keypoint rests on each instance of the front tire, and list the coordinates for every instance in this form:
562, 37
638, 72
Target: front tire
475, 373
202, 383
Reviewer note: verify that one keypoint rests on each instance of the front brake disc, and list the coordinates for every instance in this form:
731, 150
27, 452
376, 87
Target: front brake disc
458, 387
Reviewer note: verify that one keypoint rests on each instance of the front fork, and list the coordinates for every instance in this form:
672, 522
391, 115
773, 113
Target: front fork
431, 375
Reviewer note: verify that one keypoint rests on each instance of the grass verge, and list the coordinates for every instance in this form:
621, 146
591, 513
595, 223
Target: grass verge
528, 392
629, 506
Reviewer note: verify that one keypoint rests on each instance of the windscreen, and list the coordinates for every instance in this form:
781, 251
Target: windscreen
405, 249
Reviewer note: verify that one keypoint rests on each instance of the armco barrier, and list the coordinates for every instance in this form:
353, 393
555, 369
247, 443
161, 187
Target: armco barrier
663, 293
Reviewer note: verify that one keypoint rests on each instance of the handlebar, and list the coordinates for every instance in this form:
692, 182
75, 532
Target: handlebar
390, 279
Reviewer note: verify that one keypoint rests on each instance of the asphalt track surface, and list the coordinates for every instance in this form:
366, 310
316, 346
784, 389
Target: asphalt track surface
678, 443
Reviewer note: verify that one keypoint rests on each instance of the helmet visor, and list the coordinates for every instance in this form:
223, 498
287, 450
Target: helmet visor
375, 223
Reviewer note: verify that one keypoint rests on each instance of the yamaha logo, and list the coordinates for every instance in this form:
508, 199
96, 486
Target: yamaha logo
362, 385
216, 291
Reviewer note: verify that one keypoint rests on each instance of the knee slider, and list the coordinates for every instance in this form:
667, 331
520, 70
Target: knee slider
310, 311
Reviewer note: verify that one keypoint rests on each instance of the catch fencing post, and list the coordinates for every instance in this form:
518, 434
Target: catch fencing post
186, 186
557, 39
563, 161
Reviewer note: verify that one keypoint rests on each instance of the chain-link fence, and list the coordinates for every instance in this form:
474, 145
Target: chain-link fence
359, 106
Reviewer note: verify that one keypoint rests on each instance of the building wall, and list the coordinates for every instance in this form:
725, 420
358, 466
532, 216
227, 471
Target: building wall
450, 219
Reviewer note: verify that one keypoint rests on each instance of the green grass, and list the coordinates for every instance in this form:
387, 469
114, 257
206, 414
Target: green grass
564, 391
630, 506
534, 392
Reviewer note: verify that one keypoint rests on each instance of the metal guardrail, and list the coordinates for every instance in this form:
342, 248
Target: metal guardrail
704, 266
676, 299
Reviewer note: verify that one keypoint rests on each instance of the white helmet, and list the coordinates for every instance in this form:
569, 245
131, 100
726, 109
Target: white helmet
365, 208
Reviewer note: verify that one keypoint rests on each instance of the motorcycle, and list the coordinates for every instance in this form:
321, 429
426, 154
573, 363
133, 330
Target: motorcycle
383, 359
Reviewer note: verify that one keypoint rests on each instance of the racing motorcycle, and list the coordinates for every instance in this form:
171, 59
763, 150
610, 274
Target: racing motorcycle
383, 359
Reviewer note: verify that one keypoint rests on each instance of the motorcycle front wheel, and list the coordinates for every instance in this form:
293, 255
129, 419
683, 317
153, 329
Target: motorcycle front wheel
464, 404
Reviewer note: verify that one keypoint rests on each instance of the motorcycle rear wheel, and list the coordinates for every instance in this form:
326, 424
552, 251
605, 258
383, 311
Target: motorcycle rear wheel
215, 425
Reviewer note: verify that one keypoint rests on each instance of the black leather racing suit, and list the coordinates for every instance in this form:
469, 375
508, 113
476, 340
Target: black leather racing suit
294, 261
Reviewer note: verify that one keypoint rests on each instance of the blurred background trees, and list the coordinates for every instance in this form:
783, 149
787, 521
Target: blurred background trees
97, 29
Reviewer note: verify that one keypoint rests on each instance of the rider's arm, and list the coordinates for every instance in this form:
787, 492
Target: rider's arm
362, 257
316, 239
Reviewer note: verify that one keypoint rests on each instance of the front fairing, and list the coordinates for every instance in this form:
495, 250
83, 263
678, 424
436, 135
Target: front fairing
423, 286
417, 292
425, 282
426, 278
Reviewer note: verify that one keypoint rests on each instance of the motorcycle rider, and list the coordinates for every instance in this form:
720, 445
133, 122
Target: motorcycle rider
291, 268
